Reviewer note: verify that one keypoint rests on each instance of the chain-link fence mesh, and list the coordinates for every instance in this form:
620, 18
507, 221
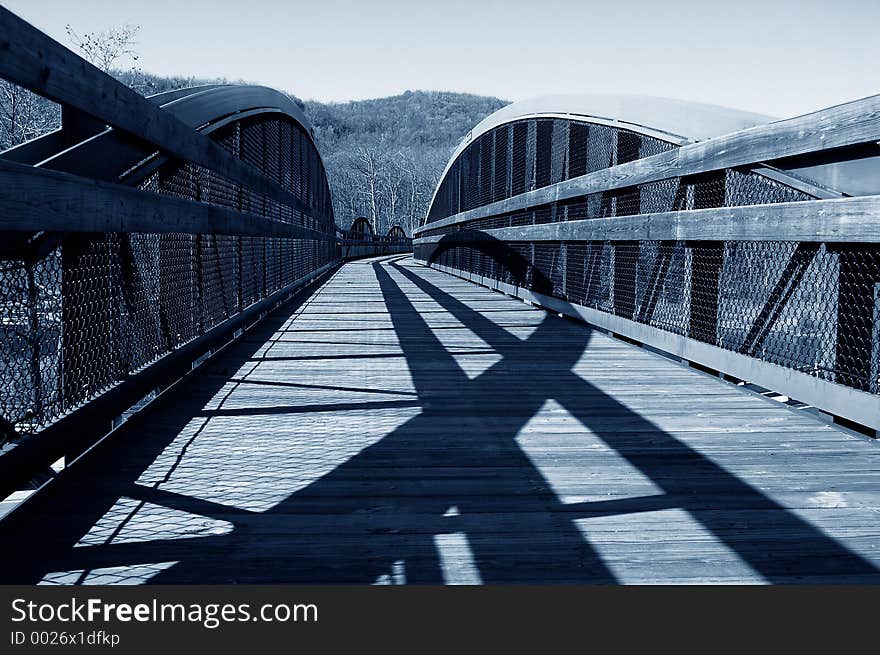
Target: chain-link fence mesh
86, 311
811, 307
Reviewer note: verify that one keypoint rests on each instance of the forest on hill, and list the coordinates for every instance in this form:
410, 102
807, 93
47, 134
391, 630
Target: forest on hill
383, 156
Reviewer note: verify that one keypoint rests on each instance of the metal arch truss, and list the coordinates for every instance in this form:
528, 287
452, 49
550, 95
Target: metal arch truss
361, 240
138, 238
709, 251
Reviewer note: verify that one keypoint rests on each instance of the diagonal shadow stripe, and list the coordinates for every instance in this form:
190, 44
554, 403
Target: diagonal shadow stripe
497, 553
485, 328
328, 387
773, 558
307, 409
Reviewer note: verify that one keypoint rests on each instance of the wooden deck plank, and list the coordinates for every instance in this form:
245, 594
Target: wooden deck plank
402, 419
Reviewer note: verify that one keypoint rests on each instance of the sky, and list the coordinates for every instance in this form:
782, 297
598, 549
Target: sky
778, 57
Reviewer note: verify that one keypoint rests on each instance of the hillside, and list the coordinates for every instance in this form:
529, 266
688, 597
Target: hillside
415, 118
384, 156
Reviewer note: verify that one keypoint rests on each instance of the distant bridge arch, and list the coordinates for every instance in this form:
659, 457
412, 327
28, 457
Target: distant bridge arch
361, 225
362, 240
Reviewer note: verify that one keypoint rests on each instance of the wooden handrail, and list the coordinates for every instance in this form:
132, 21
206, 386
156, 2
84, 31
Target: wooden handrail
850, 220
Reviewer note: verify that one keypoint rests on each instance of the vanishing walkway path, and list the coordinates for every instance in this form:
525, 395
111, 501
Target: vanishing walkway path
401, 424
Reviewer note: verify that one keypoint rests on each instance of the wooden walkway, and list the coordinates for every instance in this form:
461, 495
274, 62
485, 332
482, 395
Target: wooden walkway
402, 425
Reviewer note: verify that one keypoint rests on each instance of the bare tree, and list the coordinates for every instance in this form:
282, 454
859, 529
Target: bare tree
420, 172
411, 166
113, 51
368, 164
109, 48
348, 196
24, 115
394, 179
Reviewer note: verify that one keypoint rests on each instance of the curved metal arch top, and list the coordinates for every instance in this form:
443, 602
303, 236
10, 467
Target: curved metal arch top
205, 108
200, 107
668, 119
671, 119
206, 104
677, 122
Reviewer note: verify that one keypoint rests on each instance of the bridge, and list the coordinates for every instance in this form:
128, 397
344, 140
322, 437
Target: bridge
634, 341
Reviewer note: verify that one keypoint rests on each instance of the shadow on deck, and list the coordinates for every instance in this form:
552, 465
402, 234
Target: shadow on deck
403, 425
